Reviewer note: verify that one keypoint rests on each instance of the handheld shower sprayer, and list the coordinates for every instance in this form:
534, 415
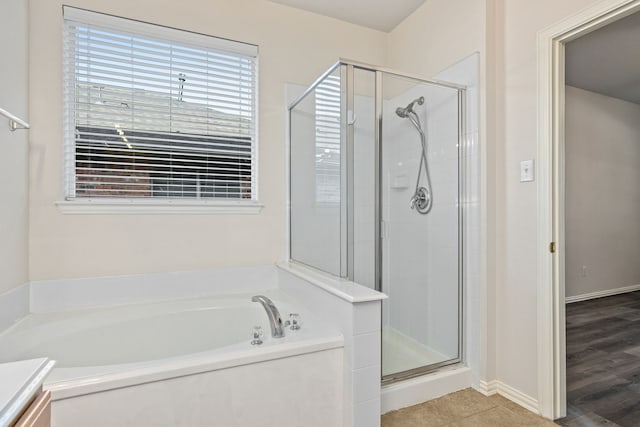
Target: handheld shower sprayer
422, 196
404, 112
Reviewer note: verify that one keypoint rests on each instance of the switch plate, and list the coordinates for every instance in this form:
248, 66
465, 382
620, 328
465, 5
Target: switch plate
527, 171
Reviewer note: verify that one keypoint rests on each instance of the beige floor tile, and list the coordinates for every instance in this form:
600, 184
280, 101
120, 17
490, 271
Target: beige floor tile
466, 408
506, 403
456, 406
397, 419
512, 406
500, 400
423, 415
500, 416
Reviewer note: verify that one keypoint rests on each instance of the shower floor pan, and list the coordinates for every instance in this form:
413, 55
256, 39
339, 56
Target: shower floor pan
401, 353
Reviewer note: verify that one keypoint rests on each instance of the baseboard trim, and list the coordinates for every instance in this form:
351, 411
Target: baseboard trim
489, 388
601, 294
518, 397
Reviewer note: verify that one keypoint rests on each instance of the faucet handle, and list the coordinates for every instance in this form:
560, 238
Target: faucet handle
294, 321
413, 201
256, 335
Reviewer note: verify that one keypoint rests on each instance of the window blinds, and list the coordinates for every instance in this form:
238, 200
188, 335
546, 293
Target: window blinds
154, 112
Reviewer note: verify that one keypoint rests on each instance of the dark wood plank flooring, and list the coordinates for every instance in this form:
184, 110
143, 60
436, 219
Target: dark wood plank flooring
603, 362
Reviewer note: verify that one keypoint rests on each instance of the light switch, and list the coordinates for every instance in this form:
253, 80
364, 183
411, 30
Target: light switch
527, 171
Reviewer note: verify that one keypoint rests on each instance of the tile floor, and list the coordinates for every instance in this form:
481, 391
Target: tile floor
466, 408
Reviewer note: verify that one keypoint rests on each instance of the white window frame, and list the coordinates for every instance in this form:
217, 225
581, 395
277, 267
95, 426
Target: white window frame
153, 205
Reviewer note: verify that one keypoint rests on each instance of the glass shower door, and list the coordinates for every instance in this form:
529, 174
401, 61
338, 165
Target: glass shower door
374, 198
420, 226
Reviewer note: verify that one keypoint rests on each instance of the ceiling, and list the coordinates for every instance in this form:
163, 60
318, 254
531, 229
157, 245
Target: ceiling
383, 15
607, 61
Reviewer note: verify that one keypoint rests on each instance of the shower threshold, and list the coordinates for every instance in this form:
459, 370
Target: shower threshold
402, 353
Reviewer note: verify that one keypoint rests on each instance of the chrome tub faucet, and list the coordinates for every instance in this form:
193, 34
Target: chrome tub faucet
277, 326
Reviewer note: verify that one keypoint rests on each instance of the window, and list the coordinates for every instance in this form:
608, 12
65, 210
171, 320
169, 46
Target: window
327, 161
154, 113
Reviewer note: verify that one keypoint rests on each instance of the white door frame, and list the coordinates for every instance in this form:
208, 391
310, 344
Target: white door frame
551, 117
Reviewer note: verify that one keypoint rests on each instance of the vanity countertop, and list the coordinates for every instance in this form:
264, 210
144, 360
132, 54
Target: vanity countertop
19, 383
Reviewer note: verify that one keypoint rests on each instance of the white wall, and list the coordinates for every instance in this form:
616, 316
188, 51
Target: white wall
517, 256
602, 172
14, 145
436, 35
295, 47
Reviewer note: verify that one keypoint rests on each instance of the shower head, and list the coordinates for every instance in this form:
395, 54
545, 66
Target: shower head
404, 112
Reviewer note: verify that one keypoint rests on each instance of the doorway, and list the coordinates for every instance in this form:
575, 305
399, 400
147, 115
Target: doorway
552, 212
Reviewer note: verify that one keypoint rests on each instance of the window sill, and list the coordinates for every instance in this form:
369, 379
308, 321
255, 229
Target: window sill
152, 207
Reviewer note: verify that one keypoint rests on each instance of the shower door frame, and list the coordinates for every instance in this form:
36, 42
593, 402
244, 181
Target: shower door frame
347, 71
461, 91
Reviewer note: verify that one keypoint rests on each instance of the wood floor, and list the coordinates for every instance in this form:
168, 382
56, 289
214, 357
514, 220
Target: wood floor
603, 362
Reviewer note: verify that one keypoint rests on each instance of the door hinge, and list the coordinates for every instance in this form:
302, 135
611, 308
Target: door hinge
552, 247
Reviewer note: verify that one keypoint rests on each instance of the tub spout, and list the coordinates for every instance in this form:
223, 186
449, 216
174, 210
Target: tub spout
277, 328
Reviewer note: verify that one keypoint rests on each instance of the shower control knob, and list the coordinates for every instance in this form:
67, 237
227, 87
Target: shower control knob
421, 200
412, 202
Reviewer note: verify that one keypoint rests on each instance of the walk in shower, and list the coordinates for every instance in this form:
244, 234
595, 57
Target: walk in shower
375, 184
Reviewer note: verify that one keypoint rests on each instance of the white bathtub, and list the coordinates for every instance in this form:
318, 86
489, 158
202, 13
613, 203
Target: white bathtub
186, 362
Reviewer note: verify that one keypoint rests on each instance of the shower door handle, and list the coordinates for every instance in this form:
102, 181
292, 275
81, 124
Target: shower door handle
351, 118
